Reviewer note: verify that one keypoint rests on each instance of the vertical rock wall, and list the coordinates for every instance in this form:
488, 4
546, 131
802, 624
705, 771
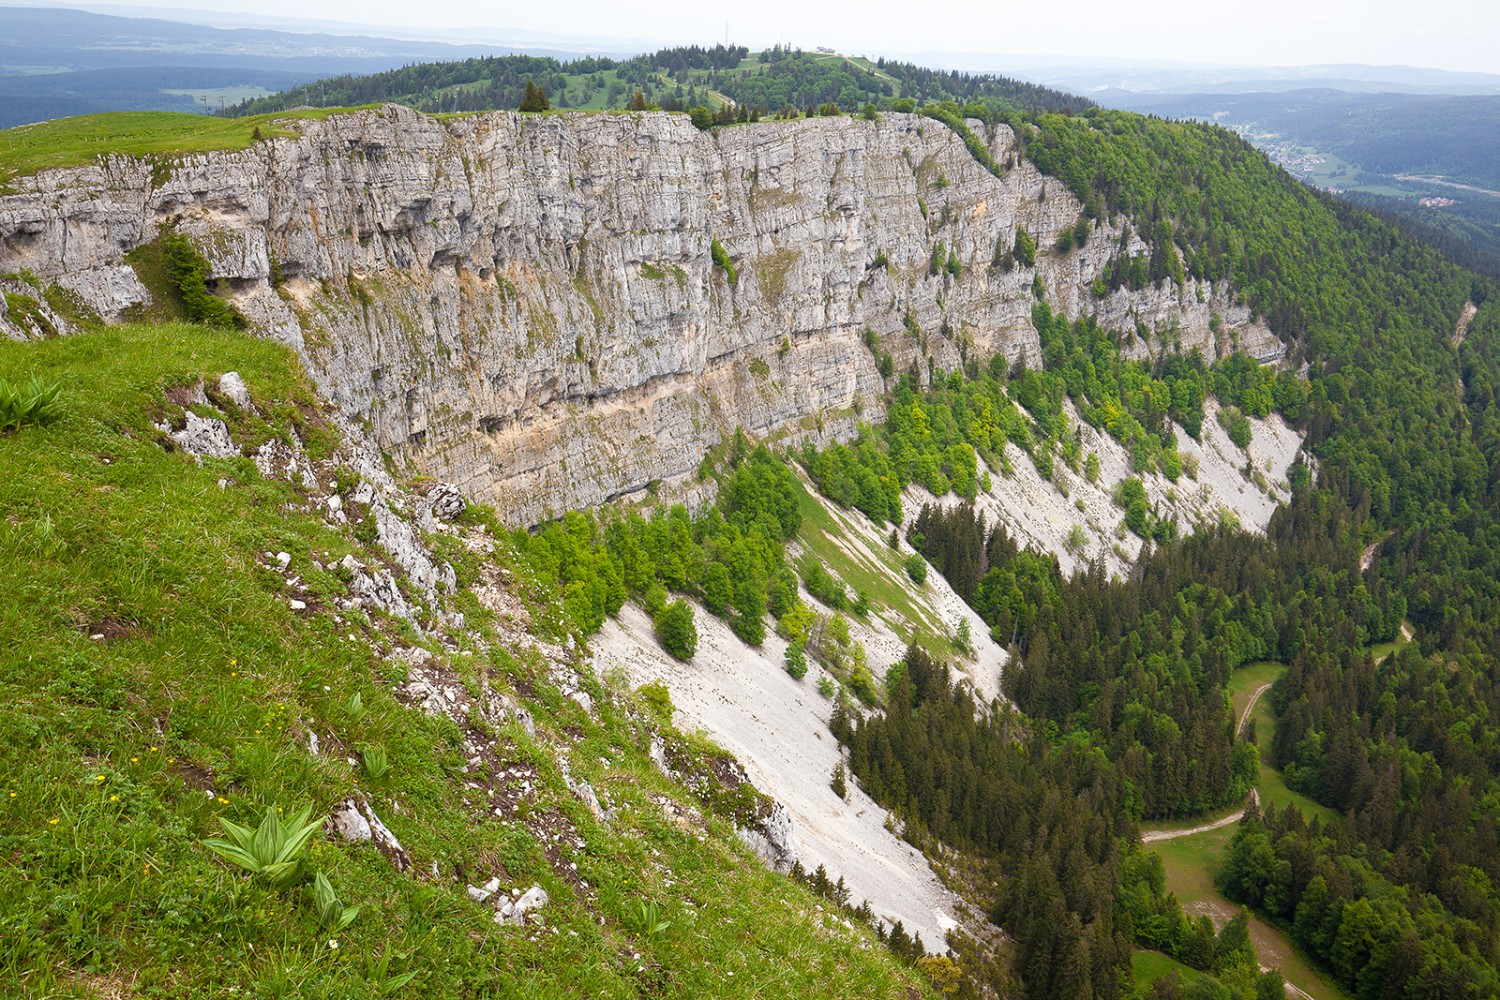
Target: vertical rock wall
527, 306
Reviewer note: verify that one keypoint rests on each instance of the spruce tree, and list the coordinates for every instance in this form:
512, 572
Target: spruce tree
534, 98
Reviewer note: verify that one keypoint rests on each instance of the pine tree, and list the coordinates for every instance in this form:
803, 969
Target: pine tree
534, 98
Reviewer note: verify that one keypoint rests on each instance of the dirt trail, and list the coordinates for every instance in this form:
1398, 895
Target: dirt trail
1245, 715
1154, 836
1461, 330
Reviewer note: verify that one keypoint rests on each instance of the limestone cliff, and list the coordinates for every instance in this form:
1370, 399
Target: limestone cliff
528, 306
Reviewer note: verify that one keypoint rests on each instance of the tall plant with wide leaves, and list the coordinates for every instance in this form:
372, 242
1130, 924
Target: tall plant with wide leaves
273, 850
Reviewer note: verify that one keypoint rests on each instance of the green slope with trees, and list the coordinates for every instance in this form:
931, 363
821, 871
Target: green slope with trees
676, 79
1401, 421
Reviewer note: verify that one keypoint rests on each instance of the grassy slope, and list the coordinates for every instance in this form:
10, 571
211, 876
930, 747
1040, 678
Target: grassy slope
108, 748
1146, 967
887, 586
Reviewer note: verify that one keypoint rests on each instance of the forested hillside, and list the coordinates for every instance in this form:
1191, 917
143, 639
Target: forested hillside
1429, 159
674, 80
1398, 405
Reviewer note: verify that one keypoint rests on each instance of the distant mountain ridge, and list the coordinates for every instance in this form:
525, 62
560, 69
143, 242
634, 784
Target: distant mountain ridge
57, 62
673, 79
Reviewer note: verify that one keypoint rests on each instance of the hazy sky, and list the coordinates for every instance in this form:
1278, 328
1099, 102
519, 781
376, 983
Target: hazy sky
1439, 34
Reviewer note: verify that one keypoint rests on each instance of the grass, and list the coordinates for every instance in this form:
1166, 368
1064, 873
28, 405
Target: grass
820, 536
1191, 863
78, 141
120, 755
1146, 967
1250, 678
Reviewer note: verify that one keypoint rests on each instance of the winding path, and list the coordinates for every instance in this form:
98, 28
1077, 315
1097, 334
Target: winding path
1154, 836
1245, 715
1293, 991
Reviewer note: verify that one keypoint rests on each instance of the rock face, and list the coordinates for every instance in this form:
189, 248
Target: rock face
527, 307
771, 839
354, 820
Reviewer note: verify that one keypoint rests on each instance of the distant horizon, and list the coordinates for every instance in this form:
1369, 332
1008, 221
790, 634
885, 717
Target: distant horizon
1450, 38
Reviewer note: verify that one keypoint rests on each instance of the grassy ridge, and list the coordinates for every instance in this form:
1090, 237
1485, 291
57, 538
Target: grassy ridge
121, 754
73, 142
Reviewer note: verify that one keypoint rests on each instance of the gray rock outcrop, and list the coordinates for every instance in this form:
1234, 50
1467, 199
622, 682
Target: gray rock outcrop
354, 820
527, 307
205, 436
770, 837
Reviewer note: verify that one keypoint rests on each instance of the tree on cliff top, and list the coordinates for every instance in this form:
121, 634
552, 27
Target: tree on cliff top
534, 98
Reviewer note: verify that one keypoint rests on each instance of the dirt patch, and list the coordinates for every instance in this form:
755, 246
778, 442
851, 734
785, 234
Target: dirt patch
116, 986
184, 396
561, 844
195, 775
110, 629
1219, 912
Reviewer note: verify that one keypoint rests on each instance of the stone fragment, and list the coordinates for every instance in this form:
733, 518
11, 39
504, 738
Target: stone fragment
233, 388
447, 503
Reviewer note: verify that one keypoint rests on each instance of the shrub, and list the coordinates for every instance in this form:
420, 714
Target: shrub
1025, 248
676, 630
189, 273
916, 568
824, 586
1236, 424
658, 700
702, 118
721, 259
796, 660
797, 623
